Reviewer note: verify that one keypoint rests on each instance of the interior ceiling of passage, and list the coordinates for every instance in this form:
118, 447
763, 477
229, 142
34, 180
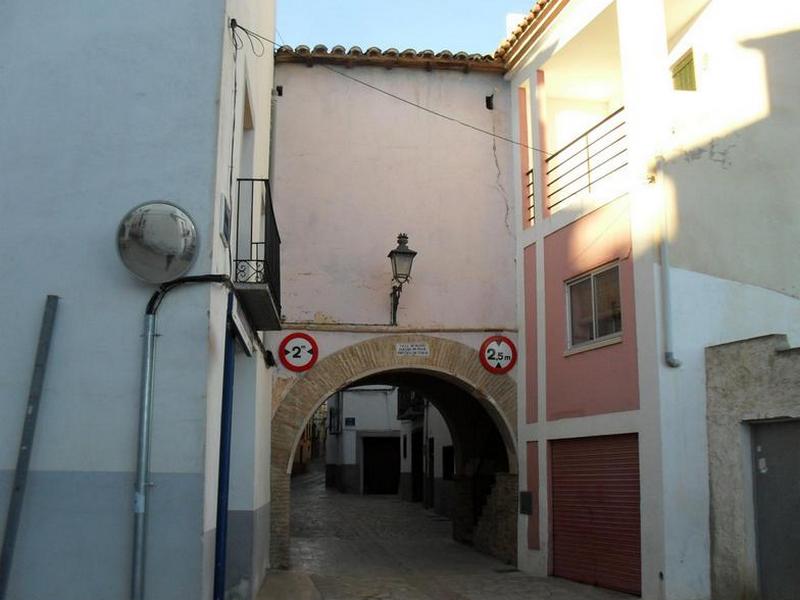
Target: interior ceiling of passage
588, 67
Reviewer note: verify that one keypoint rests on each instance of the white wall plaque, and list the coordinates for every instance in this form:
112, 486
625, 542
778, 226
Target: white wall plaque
412, 349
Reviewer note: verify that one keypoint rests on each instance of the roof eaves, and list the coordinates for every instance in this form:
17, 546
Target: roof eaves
390, 58
514, 47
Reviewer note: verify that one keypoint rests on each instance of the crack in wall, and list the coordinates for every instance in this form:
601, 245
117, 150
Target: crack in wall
498, 183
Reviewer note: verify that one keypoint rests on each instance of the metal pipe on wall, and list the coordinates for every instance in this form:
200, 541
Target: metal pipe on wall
223, 481
666, 282
142, 484
666, 305
143, 457
26, 442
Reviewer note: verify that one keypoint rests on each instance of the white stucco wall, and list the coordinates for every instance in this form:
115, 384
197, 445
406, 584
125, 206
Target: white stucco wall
77, 155
251, 433
707, 311
406, 428
353, 168
253, 81
121, 106
374, 409
731, 158
438, 430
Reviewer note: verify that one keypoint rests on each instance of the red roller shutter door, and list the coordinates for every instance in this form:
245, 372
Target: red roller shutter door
595, 511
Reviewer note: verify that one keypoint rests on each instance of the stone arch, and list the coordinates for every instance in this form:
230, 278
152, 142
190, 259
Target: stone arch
448, 359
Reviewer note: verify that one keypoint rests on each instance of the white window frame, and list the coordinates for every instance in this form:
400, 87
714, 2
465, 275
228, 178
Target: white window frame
596, 341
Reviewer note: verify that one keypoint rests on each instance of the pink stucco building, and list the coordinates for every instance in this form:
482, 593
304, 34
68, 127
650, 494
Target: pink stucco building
639, 244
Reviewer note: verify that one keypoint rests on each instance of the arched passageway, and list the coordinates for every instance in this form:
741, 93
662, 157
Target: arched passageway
479, 408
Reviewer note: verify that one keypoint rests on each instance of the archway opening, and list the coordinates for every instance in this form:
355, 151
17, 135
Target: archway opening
377, 360
418, 436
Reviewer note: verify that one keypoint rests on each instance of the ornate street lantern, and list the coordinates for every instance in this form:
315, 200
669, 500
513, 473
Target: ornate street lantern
401, 258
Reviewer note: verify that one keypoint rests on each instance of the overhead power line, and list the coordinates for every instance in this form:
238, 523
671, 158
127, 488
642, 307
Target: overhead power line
257, 40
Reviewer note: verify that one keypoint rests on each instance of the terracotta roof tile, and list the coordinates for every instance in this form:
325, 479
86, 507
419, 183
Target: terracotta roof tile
390, 58
537, 19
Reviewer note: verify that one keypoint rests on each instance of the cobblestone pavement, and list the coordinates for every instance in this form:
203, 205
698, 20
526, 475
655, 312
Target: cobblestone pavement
349, 547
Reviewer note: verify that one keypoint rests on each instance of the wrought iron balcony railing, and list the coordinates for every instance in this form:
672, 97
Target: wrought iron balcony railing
257, 258
593, 156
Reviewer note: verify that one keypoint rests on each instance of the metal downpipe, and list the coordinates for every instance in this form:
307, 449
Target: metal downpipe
141, 483
143, 458
666, 297
223, 482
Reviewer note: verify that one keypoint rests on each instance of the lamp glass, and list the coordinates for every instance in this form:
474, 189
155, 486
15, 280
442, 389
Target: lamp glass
157, 242
401, 265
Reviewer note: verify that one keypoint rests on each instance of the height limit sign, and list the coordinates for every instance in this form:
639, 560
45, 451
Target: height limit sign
498, 354
298, 352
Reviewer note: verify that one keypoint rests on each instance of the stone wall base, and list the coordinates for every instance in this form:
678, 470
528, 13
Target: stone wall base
496, 531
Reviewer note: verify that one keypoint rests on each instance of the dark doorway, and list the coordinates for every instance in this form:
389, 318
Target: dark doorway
429, 474
381, 465
776, 475
448, 463
416, 465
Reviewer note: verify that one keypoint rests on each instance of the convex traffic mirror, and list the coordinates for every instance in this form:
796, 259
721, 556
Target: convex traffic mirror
157, 242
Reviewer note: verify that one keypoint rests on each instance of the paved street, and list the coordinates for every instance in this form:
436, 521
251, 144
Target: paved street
348, 547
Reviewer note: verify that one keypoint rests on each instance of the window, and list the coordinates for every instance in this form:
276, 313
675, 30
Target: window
593, 306
683, 73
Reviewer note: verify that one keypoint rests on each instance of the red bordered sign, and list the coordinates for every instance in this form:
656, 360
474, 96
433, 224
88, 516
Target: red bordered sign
298, 352
498, 354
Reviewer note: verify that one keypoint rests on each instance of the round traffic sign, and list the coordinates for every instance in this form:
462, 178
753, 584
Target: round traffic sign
498, 354
298, 352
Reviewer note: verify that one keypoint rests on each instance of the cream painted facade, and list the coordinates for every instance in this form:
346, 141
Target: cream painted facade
709, 172
354, 168
361, 167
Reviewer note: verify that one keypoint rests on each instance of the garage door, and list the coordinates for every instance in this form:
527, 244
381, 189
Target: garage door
595, 511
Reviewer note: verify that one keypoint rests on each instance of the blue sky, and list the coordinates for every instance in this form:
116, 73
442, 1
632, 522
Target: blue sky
471, 25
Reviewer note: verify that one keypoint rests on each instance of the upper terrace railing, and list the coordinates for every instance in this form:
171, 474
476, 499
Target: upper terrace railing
258, 243
588, 159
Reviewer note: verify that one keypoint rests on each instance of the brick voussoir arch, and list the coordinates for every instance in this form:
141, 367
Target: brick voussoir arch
449, 359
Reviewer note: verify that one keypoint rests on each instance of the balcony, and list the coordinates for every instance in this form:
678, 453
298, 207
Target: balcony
589, 162
582, 128
257, 254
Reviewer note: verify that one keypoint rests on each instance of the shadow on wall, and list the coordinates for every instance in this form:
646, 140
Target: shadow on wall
743, 179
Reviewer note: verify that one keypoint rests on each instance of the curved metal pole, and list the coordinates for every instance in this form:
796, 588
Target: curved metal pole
141, 483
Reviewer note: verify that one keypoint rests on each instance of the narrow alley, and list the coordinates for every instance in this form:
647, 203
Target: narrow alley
354, 547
